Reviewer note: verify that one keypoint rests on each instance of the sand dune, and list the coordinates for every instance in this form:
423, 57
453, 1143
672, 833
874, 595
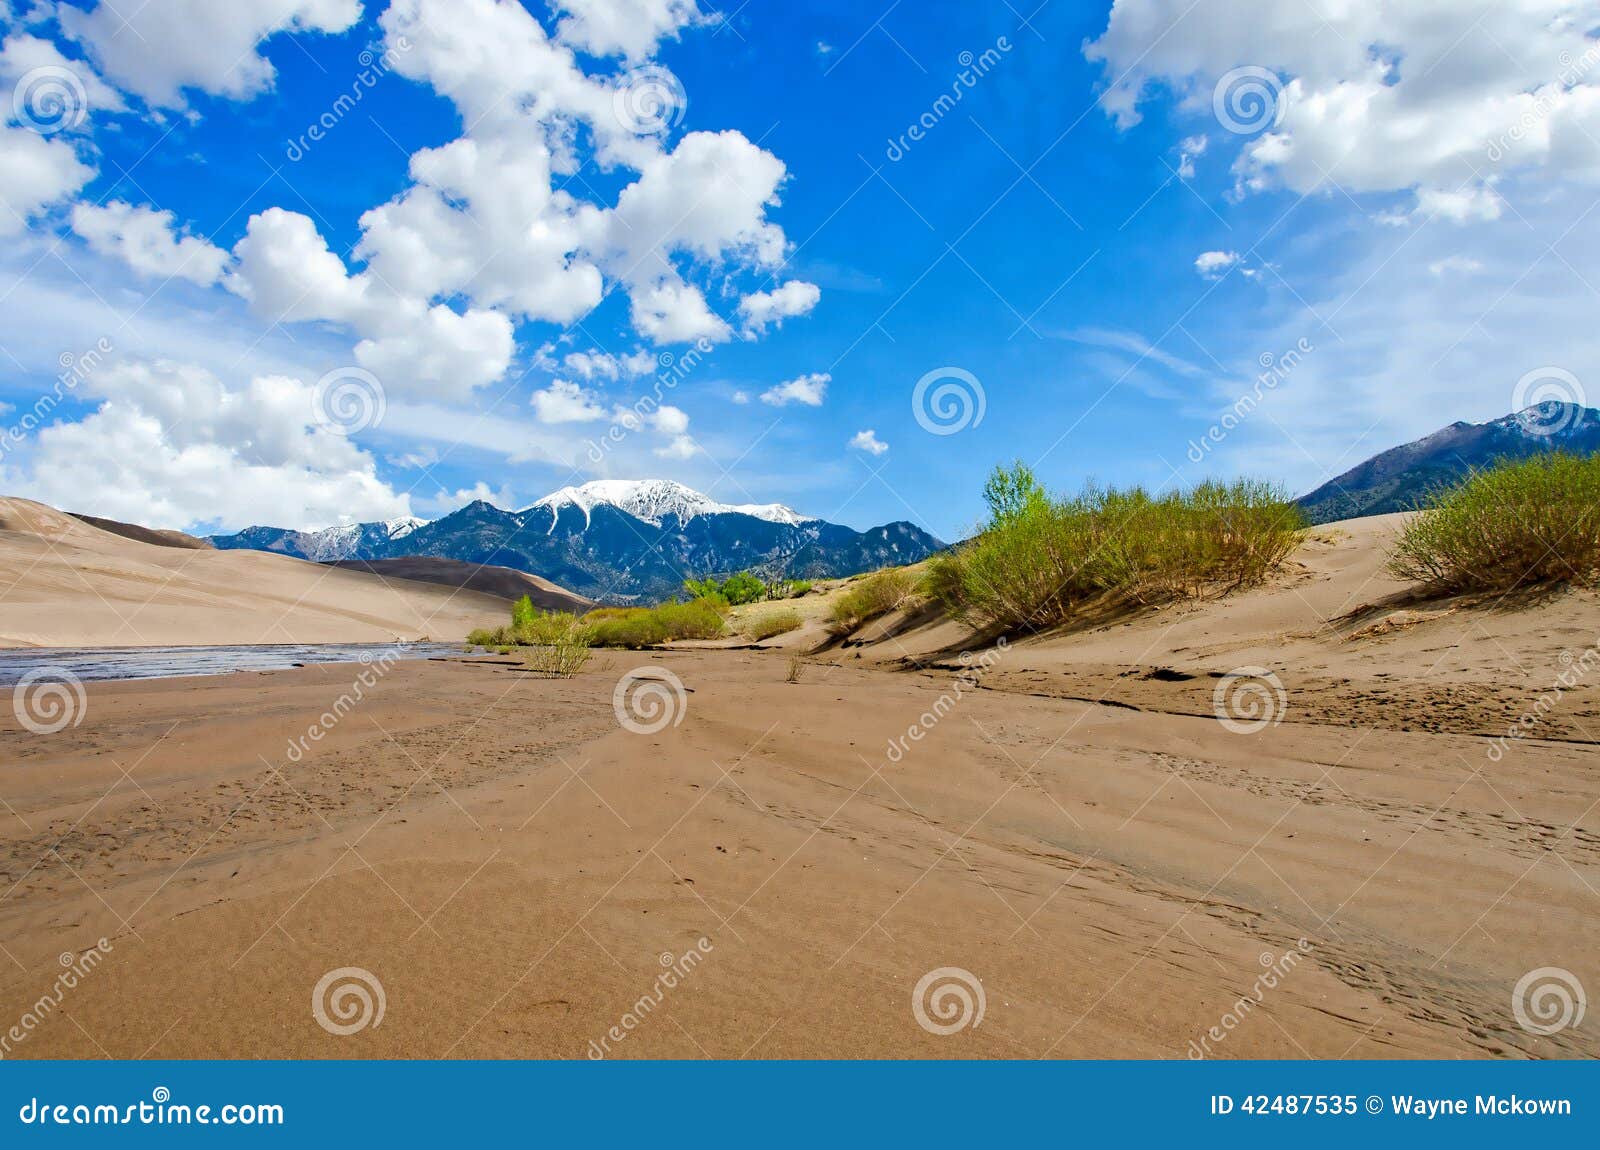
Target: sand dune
499, 581
1113, 865
65, 582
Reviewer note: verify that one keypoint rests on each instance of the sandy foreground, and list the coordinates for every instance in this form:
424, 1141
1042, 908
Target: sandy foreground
1081, 837
66, 583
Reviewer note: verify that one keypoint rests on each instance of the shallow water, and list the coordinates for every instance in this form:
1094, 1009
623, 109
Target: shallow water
169, 662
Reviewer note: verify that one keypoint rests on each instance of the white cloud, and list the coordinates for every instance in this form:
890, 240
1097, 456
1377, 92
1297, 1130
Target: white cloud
1431, 98
869, 442
444, 502
1454, 265
1190, 150
23, 53
148, 241
1212, 265
628, 28
565, 402
287, 272
797, 297
160, 47
36, 173
603, 365
809, 390
741, 397
171, 445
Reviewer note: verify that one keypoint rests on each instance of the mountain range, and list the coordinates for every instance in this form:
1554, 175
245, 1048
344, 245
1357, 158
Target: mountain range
615, 541
1400, 478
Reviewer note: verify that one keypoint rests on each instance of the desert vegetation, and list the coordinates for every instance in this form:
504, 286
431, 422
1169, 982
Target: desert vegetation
745, 587
771, 623
866, 599
1039, 560
1516, 524
627, 627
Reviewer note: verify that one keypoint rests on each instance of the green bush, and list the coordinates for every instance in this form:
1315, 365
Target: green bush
877, 594
737, 589
638, 627
1526, 523
563, 649
1038, 559
523, 612
771, 623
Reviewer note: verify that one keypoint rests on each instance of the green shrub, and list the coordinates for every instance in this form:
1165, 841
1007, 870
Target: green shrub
877, 594
563, 646
771, 623
638, 627
1526, 523
1038, 559
743, 588
523, 612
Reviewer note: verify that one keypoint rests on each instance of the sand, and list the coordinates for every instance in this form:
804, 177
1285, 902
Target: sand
67, 583
1081, 835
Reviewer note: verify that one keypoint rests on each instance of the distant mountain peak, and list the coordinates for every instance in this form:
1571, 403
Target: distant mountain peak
652, 500
1397, 479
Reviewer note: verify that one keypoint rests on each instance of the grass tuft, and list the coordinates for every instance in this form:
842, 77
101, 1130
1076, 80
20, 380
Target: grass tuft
771, 623
868, 598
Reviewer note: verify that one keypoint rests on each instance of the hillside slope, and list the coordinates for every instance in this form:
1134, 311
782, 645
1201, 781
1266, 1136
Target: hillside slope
65, 583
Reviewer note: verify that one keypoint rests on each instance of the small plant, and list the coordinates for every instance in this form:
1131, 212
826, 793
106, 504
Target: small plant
795, 664
523, 613
737, 589
1515, 524
877, 594
772, 623
564, 649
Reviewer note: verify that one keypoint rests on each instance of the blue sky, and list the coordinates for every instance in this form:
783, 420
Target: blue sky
1087, 239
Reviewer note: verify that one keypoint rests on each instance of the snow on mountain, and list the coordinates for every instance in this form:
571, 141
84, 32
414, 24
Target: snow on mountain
652, 500
403, 526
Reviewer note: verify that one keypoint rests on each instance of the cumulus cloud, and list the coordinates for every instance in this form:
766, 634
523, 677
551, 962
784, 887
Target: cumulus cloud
809, 390
288, 273
566, 402
159, 48
170, 444
797, 297
869, 442
23, 53
627, 28
36, 173
1372, 96
148, 241
603, 365
1213, 265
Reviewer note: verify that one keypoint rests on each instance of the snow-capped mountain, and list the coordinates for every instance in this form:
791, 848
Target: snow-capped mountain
652, 500
342, 541
1396, 479
617, 540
